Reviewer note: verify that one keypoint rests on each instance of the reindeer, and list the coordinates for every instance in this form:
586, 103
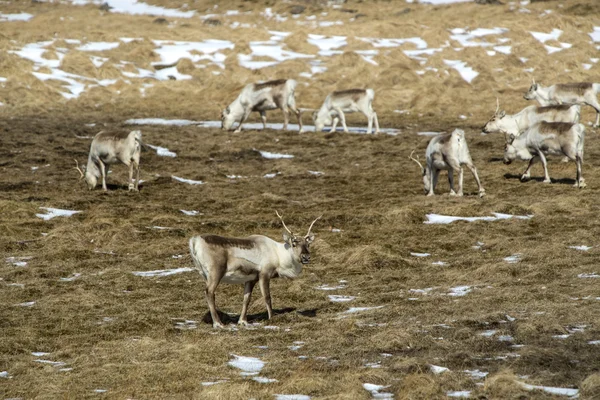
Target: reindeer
249, 260
566, 93
558, 138
349, 101
111, 148
261, 97
449, 152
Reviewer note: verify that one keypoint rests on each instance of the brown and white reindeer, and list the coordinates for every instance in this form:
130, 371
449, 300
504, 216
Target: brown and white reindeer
540, 140
346, 101
566, 93
449, 152
261, 97
247, 261
112, 148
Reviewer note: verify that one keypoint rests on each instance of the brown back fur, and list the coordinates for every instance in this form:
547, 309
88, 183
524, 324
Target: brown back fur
579, 87
278, 82
555, 127
561, 107
109, 136
355, 94
226, 242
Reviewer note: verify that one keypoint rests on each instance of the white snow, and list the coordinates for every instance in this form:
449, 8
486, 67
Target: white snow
552, 390
162, 272
273, 156
98, 46
436, 369
428, 133
375, 391
262, 379
212, 383
160, 121
461, 393
565, 336
273, 49
162, 151
420, 254
328, 287
316, 173
594, 342
135, 7
326, 44
71, 278
294, 127
488, 333
39, 354
190, 213
53, 363
248, 365
188, 181
15, 17
18, 261
467, 38
595, 35
515, 258
354, 310
582, 247
466, 72
55, 212
340, 299
444, 219
592, 275
171, 52
476, 374
544, 37
5, 374
421, 291
459, 291
440, 263
439, 2
291, 397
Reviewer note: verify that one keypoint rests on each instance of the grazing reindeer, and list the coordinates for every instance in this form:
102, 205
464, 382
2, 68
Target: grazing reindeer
261, 97
558, 138
566, 93
349, 101
448, 152
112, 148
255, 258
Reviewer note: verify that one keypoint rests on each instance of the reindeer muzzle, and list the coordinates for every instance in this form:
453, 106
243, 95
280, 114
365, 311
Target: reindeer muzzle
507, 161
304, 259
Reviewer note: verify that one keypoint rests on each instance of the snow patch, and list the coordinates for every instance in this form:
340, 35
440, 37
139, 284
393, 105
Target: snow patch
592, 275
552, 390
466, 72
160, 121
55, 212
15, 17
459, 291
582, 247
162, 272
436, 369
375, 391
544, 37
135, 7
190, 213
460, 393
162, 151
273, 156
248, 365
354, 310
340, 299
188, 181
445, 219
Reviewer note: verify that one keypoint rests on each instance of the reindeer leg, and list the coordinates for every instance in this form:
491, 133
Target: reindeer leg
137, 176
263, 118
460, 181
451, 182
342, 118
376, 122
244, 118
527, 174
434, 173
299, 116
370, 122
286, 117
476, 176
580, 181
594, 103
103, 172
248, 287
545, 165
131, 186
263, 282
335, 122
212, 281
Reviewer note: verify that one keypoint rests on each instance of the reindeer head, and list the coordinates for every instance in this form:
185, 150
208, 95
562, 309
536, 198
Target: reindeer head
426, 182
91, 175
298, 246
493, 125
320, 120
227, 119
530, 95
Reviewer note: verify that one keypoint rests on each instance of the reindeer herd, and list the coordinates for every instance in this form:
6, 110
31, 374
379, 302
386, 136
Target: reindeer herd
535, 132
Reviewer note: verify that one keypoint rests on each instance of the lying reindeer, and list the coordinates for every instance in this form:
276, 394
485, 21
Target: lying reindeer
261, 97
449, 152
112, 148
566, 93
558, 138
249, 260
346, 101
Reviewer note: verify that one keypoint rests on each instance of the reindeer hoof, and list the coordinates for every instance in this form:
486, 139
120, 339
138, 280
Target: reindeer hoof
565, 159
459, 194
218, 325
481, 193
547, 181
525, 178
452, 193
244, 322
429, 194
581, 184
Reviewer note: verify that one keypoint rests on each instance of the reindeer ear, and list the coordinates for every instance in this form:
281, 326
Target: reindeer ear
309, 238
287, 238
502, 114
512, 138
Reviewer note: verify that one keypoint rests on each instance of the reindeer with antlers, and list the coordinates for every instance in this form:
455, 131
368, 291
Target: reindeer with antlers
249, 260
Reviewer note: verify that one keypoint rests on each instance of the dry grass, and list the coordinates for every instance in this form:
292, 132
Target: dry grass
118, 331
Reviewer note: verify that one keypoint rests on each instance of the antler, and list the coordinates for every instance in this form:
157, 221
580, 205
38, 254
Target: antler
416, 160
533, 80
497, 105
286, 228
78, 169
311, 225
